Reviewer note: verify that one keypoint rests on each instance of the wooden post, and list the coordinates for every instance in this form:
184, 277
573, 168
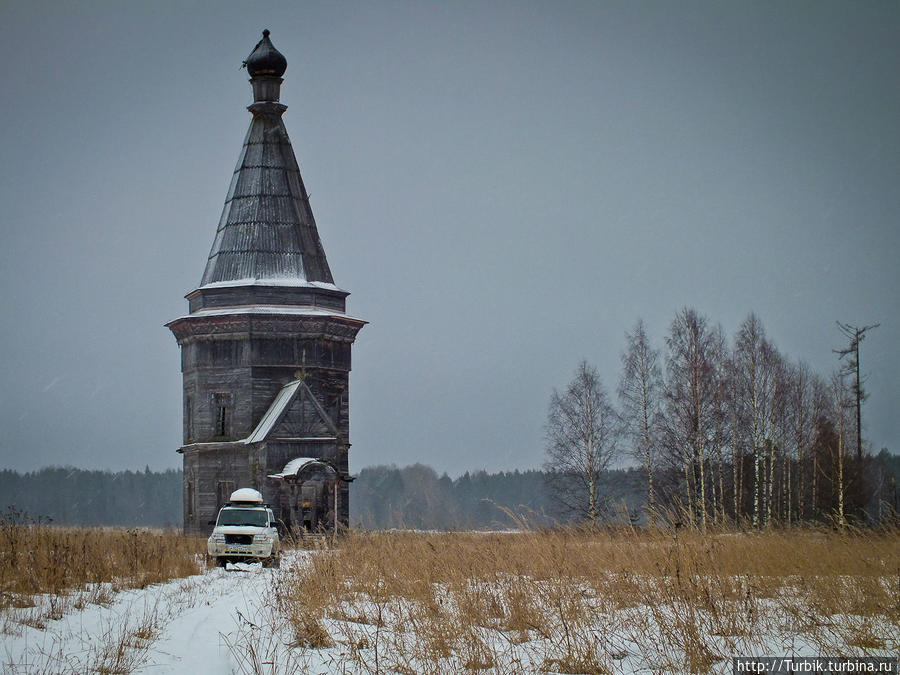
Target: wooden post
334, 533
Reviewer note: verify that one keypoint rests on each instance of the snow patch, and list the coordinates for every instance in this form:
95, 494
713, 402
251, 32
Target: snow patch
270, 309
294, 466
275, 281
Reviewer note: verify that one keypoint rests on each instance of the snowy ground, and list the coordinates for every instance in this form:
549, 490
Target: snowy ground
183, 626
222, 621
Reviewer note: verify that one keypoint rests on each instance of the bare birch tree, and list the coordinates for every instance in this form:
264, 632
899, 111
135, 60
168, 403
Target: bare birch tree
775, 435
581, 442
639, 398
801, 420
735, 414
822, 402
690, 401
753, 383
721, 416
840, 401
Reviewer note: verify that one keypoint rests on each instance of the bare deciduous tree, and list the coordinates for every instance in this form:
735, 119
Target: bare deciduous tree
639, 393
581, 442
775, 437
690, 401
721, 418
840, 401
753, 387
801, 418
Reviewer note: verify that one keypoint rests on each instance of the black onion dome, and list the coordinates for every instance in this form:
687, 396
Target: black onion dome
265, 59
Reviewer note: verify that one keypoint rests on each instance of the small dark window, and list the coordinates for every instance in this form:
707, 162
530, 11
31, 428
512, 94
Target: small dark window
222, 421
221, 409
189, 418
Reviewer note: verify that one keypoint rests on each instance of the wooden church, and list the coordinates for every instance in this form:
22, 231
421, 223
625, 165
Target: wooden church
265, 348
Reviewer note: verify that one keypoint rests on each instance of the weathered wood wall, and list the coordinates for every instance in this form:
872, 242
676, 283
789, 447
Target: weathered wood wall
233, 366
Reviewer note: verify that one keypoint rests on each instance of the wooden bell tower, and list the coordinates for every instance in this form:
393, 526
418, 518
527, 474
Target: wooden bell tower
266, 345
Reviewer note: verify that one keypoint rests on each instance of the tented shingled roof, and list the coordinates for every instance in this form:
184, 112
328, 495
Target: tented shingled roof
267, 229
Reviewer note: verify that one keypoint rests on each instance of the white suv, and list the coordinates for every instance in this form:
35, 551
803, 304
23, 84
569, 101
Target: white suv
245, 532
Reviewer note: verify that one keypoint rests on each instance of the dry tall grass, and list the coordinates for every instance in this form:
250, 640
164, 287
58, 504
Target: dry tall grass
580, 602
68, 567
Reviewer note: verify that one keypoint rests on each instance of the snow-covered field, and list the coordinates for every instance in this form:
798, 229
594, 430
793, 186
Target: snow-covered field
184, 626
226, 621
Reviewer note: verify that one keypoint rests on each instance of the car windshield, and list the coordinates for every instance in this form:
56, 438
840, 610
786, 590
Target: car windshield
254, 517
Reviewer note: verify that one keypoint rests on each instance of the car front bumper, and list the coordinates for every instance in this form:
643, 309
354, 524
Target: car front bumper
254, 550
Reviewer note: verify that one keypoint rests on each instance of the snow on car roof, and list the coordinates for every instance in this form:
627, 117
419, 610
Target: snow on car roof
246, 495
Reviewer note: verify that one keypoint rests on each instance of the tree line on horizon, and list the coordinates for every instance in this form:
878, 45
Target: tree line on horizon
382, 497
88, 498
722, 430
416, 497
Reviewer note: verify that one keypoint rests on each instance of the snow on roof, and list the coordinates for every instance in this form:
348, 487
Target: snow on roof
270, 309
282, 281
308, 439
274, 413
296, 464
294, 467
246, 495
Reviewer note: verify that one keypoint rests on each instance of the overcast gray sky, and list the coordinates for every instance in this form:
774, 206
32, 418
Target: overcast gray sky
504, 187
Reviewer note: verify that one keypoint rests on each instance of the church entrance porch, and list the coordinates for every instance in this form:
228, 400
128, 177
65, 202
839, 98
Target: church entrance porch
308, 493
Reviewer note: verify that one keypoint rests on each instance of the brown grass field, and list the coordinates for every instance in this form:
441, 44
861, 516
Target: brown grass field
70, 566
563, 600
578, 601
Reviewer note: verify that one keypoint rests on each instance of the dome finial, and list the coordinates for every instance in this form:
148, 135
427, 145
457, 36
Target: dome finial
265, 59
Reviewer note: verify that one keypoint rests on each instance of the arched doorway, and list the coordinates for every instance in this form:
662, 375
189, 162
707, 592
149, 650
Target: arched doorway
308, 495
